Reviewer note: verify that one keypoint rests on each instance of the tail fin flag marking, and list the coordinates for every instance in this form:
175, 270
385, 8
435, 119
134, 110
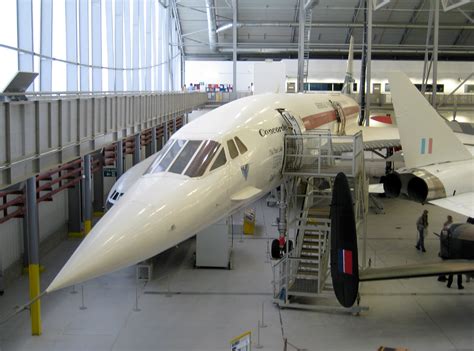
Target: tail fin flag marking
345, 261
423, 146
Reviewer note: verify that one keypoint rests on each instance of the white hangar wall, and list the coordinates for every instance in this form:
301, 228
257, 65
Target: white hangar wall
449, 73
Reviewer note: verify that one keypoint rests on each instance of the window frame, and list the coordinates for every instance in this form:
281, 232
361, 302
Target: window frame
218, 153
229, 143
238, 142
188, 141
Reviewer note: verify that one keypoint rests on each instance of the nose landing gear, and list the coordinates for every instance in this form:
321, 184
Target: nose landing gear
278, 250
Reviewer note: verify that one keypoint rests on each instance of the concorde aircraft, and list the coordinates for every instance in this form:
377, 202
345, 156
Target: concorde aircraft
208, 169
438, 168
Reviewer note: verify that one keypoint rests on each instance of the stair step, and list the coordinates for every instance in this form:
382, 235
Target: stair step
303, 284
310, 245
308, 266
315, 233
307, 275
308, 252
312, 241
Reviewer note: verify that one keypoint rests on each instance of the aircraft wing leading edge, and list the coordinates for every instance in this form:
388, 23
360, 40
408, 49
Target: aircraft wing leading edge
416, 270
463, 203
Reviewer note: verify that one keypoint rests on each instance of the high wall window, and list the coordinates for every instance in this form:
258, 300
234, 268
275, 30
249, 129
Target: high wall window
326, 86
91, 45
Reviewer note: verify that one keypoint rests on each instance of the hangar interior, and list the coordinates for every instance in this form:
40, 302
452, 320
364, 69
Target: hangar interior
93, 89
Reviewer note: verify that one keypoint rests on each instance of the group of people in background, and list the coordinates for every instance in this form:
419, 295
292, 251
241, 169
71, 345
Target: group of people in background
422, 228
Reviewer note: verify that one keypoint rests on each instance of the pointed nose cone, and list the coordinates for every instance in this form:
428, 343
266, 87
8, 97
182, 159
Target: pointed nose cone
129, 233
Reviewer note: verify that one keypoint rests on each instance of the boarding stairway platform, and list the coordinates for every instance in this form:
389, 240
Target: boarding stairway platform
302, 276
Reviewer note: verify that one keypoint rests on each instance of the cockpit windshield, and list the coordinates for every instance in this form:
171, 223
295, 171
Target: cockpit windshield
188, 157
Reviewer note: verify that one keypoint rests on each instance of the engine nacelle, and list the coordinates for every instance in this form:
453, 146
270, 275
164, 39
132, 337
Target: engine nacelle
418, 185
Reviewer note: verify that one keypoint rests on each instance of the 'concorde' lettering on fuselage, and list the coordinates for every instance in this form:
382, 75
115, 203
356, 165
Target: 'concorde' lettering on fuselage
279, 129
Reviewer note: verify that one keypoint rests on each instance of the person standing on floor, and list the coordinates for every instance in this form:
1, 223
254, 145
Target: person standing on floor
422, 227
444, 232
450, 281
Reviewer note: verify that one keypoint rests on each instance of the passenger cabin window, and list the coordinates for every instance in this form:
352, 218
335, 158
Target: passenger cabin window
220, 160
232, 149
240, 145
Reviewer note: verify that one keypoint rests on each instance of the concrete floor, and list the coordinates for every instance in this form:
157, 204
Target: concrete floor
184, 308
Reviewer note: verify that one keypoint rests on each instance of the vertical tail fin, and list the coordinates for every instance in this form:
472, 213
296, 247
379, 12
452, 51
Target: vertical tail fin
424, 135
344, 259
348, 79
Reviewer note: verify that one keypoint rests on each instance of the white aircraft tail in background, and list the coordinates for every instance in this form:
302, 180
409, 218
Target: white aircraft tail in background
425, 137
439, 168
349, 79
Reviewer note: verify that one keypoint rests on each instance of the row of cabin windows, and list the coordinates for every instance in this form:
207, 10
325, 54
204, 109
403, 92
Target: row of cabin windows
192, 157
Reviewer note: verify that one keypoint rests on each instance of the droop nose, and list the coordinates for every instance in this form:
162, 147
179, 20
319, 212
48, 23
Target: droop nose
129, 233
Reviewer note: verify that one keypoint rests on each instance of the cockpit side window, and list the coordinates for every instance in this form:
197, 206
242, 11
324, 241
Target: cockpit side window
232, 149
154, 166
220, 160
241, 145
203, 158
169, 157
185, 156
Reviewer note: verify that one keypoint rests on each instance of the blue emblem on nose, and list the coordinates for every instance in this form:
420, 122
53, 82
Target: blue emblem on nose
245, 170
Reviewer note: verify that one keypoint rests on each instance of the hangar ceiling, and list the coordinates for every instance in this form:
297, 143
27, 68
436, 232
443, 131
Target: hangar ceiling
269, 28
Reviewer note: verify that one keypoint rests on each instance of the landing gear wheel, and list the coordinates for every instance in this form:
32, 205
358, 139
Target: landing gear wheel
290, 245
276, 249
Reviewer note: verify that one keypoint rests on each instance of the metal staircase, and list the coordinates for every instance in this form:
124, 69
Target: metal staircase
303, 273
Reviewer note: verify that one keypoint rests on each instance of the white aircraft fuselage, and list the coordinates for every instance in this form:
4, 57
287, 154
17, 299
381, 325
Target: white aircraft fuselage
190, 185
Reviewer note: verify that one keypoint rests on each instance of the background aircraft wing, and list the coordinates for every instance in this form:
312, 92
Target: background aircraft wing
417, 270
463, 203
374, 139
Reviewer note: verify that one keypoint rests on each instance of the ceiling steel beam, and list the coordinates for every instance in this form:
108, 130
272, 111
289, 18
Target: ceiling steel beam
413, 18
354, 19
228, 26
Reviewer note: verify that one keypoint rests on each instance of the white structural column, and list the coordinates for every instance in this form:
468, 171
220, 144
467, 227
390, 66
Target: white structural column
141, 14
148, 46
46, 44
136, 46
118, 45
110, 44
159, 49
96, 27
301, 20
154, 45
369, 61
435, 53
171, 40
165, 48
25, 35
234, 47
427, 42
71, 44
127, 32
84, 43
